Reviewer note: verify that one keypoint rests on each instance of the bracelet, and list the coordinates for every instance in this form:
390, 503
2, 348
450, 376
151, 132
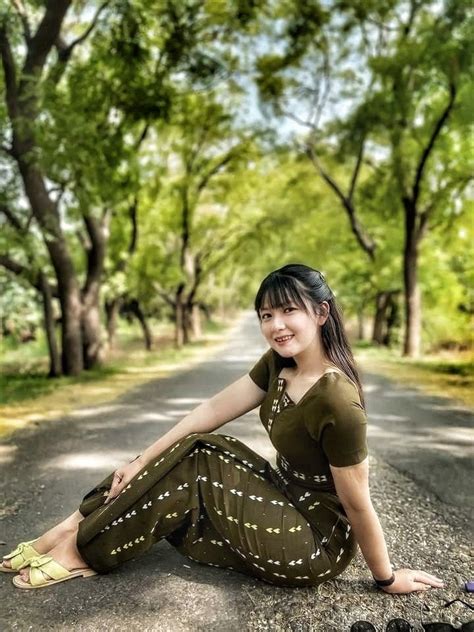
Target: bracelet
385, 582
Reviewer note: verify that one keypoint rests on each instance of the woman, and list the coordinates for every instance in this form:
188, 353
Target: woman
220, 503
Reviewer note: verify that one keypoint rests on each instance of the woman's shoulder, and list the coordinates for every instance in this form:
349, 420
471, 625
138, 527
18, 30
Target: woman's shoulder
336, 389
267, 368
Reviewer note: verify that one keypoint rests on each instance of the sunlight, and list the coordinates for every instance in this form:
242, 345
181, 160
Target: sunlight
386, 417
183, 400
89, 461
377, 431
7, 454
371, 388
96, 410
453, 433
154, 416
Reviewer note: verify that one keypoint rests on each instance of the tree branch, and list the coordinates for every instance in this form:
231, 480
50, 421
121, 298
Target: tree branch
45, 37
367, 244
13, 266
215, 169
65, 50
20, 9
9, 72
355, 175
164, 296
11, 217
90, 28
31, 276
431, 142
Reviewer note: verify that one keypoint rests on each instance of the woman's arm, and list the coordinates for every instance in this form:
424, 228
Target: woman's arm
352, 487
235, 400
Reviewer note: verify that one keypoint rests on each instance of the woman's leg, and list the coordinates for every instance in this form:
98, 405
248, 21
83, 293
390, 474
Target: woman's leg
55, 535
64, 552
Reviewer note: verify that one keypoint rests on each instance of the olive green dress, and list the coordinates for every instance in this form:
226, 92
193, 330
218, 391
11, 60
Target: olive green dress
220, 503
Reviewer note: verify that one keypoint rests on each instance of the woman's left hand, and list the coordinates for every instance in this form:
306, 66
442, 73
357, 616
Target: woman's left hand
408, 580
122, 476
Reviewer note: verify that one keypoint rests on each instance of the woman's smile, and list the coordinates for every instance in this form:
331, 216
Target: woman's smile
283, 340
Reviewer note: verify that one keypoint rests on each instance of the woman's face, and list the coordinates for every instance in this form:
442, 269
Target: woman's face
289, 329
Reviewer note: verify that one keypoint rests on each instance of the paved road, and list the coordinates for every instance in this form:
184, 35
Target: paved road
427, 437
45, 471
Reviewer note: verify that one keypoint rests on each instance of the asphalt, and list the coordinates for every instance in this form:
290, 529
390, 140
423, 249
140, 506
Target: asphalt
421, 462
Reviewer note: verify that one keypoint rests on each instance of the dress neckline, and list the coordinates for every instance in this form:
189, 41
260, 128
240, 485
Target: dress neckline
284, 381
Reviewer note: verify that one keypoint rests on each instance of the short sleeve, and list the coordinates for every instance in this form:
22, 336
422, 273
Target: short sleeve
343, 432
260, 373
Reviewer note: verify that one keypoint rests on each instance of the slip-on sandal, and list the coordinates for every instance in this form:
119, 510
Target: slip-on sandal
44, 571
20, 557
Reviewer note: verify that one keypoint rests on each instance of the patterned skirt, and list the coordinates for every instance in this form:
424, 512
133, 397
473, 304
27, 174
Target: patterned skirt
219, 503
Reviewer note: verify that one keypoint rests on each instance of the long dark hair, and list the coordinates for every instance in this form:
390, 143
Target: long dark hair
293, 283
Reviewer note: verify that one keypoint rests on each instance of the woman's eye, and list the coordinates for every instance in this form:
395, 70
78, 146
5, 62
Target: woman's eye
290, 308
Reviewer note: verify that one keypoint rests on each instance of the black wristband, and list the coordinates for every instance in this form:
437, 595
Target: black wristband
385, 582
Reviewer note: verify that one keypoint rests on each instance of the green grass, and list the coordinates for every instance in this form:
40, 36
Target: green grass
447, 373
24, 367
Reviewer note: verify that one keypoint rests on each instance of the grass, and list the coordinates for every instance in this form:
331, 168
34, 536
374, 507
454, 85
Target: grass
28, 396
446, 373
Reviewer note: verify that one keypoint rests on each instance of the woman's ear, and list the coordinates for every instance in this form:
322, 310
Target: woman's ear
324, 313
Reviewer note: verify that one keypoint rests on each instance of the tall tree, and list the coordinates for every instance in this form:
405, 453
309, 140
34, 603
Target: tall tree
143, 53
399, 69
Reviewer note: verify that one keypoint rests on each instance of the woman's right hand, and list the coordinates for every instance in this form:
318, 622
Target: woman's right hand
408, 580
122, 477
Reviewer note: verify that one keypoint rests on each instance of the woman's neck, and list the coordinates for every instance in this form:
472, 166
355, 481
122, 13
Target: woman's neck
311, 363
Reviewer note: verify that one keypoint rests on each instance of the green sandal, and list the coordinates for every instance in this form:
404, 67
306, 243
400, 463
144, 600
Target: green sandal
20, 557
45, 571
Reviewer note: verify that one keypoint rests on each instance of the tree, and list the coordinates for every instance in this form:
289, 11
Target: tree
198, 154
143, 53
401, 90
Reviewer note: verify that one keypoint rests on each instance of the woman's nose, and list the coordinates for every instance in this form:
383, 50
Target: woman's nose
278, 323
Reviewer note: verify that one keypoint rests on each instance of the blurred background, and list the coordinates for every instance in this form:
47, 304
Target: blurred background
159, 158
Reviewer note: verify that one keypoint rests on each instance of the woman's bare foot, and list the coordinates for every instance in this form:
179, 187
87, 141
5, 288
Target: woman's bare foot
65, 553
55, 535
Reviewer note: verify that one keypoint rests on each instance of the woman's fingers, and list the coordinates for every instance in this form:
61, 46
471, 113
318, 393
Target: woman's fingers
115, 487
425, 581
427, 578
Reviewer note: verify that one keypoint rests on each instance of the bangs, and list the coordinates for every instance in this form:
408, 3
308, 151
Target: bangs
278, 291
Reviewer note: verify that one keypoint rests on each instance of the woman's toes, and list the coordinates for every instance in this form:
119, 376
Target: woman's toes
6, 563
25, 573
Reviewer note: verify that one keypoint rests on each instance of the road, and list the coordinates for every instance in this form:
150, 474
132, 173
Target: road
420, 454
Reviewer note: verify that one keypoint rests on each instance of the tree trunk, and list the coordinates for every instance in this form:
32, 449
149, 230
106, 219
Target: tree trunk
71, 333
22, 105
147, 333
111, 314
179, 317
412, 338
196, 328
49, 326
46, 213
378, 333
92, 348
186, 324
392, 319
412, 341
360, 324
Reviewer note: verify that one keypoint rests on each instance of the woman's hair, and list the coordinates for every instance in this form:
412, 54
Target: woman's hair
297, 283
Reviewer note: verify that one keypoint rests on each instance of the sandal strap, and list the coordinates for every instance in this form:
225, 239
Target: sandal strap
24, 552
46, 564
